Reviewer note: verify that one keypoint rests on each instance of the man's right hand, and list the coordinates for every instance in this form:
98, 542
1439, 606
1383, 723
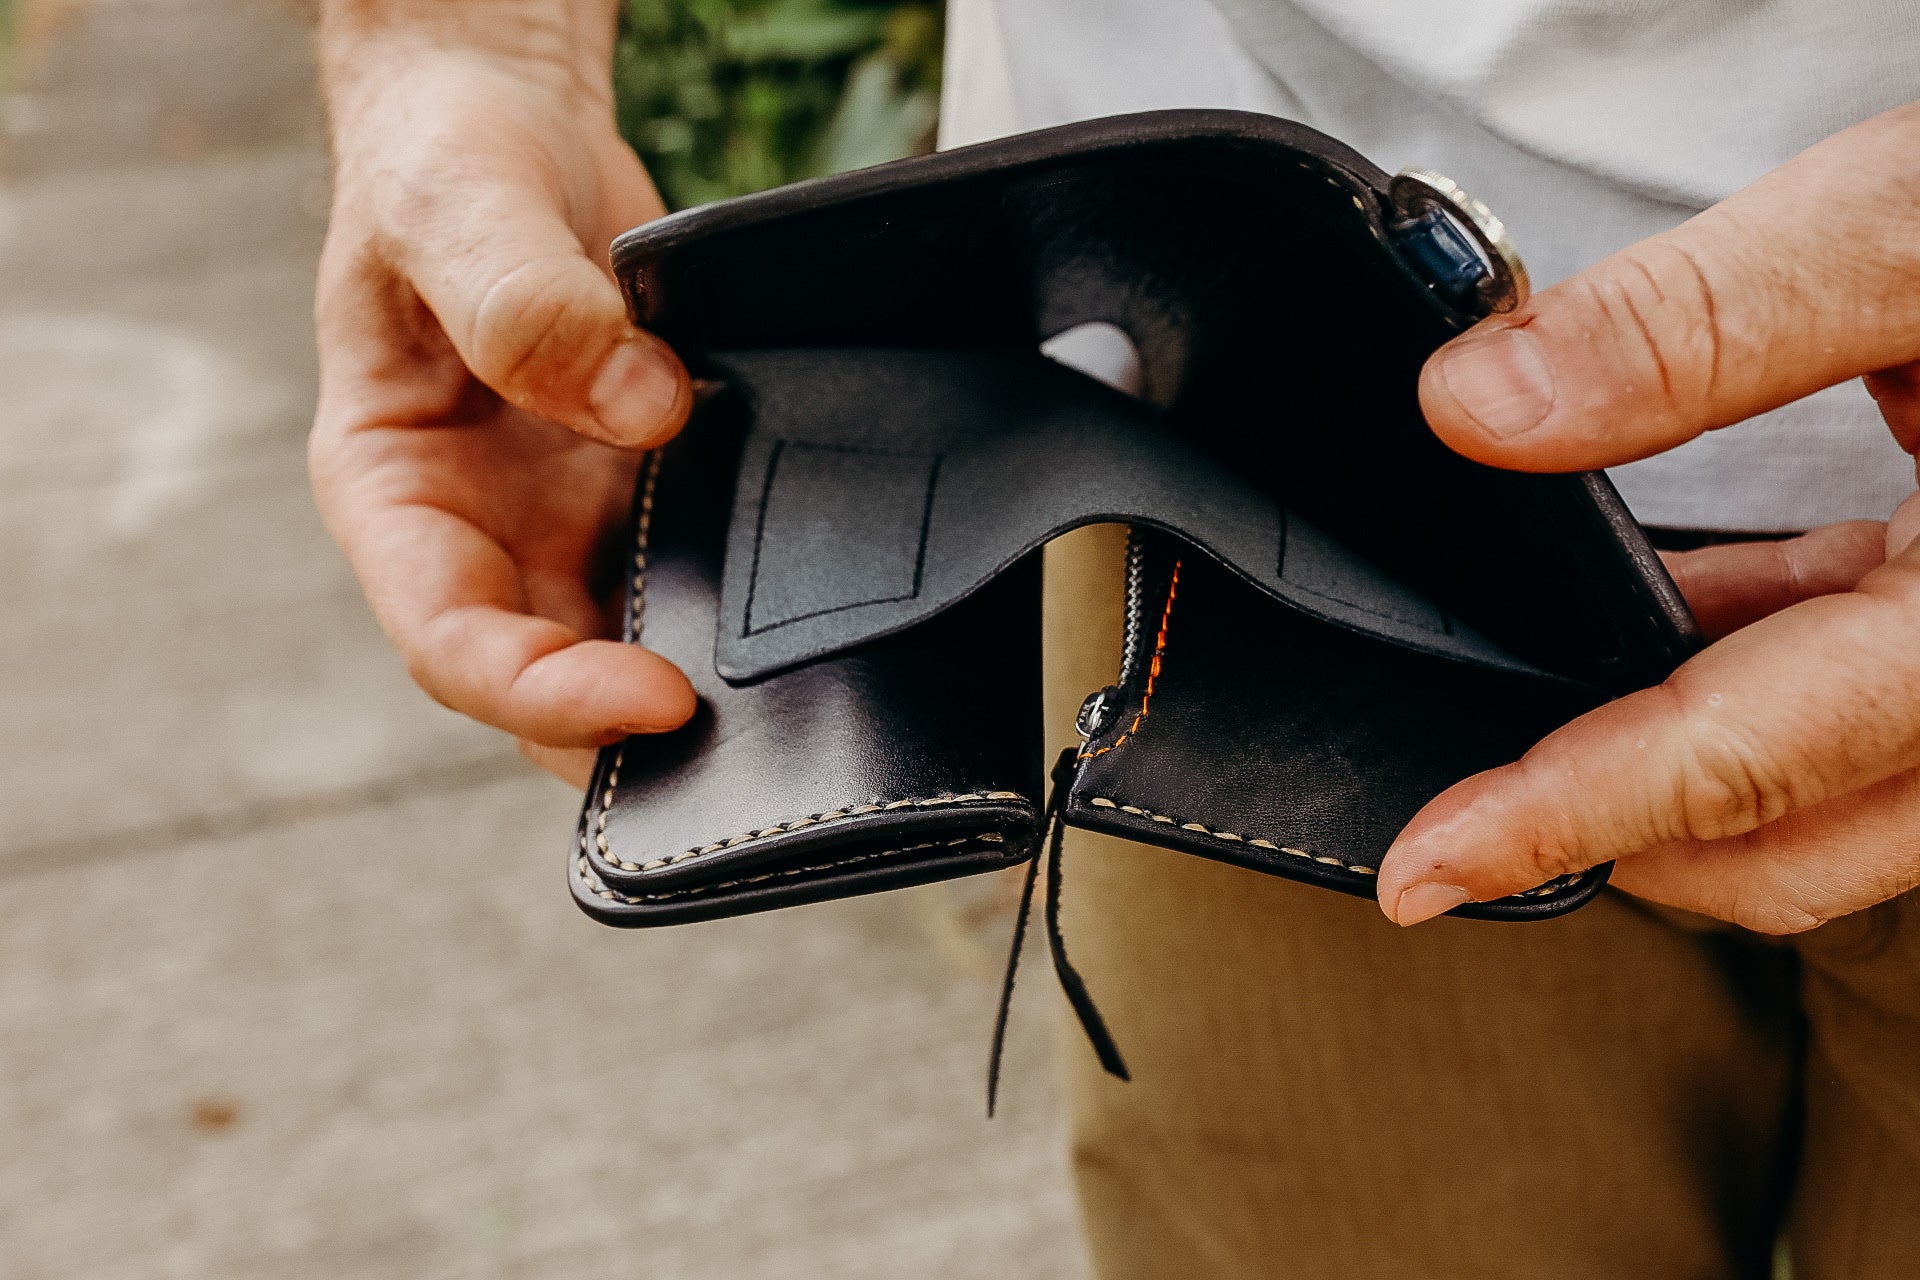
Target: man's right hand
483, 400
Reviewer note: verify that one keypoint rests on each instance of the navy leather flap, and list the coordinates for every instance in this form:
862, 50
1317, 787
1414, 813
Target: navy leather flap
877, 487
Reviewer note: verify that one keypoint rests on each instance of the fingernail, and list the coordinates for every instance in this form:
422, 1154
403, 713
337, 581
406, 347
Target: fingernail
1419, 902
634, 392
1502, 379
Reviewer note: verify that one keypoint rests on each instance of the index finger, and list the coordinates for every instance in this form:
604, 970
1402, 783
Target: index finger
1816, 701
456, 605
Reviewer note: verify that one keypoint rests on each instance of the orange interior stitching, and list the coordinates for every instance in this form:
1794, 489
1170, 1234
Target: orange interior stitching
1153, 670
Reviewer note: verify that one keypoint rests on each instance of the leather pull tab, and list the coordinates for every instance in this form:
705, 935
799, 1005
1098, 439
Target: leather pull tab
1053, 835
1006, 983
1078, 996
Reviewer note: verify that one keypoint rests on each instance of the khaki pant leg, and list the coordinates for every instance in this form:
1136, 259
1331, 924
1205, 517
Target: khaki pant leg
1320, 1094
1856, 1212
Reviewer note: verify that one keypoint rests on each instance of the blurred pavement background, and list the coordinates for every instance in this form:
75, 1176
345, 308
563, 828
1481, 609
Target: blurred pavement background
248, 1028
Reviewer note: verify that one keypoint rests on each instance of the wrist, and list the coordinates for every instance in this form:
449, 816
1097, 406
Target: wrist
567, 45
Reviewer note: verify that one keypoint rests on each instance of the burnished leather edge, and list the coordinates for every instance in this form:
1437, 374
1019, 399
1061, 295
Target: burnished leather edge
892, 868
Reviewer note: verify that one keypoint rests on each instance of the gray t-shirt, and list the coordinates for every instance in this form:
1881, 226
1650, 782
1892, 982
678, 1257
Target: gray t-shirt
1586, 124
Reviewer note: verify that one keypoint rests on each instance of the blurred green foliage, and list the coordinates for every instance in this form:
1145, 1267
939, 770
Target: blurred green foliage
722, 97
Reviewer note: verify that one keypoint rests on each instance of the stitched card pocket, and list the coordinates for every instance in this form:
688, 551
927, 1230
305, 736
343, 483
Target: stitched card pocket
877, 488
1313, 765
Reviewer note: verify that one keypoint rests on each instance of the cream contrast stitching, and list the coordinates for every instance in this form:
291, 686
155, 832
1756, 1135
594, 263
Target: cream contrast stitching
1257, 842
796, 824
1102, 802
636, 614
598, 888
643, 526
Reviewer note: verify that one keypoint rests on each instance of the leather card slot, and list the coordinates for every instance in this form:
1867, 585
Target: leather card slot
911, 742
879, 487
848, 528
1313, 769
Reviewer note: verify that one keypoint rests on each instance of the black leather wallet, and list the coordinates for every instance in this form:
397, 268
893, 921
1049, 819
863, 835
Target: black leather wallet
1330, 616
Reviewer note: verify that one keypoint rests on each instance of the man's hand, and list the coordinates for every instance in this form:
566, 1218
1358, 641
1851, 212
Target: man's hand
462, 314
1774, 780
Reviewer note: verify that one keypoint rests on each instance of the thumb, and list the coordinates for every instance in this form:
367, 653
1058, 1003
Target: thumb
1807, 278
535, 319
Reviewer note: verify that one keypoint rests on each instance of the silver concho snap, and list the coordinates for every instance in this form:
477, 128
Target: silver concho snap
1419, 193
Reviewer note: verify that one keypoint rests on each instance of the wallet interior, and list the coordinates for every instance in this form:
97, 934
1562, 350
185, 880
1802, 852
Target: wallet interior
1331, 617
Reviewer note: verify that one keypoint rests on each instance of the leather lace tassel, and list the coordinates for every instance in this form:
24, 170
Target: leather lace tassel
1053, 835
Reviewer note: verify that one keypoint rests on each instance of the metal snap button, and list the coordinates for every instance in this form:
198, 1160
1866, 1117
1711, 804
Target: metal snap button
1421, 195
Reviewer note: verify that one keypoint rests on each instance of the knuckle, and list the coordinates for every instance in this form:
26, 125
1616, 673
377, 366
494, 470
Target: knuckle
425, 673
530, 328
1694, 339
1554, 856
1658, 302
1553, 844
427, 655
1727, 789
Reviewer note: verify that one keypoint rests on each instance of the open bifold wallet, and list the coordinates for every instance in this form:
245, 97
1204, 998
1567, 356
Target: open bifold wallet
1330, 617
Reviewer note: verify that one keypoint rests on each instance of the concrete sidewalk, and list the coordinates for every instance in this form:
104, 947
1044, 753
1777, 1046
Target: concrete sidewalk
247, 1028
